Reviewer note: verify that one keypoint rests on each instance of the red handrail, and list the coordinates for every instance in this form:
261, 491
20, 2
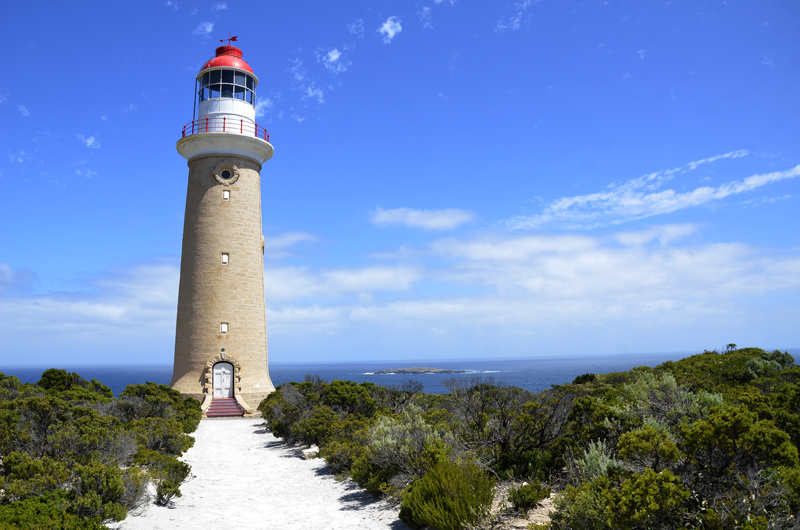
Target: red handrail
219, 125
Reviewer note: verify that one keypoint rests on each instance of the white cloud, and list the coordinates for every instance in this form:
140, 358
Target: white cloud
263, 106
643, 197
89, 142
520, 294
512, 22
296, 283
204, 29
3, 96
333, 60
424, 16
278, 246
173, 5
446, 219
356, 27
220, 6
297, 70
563, 288
130, 107
314, 92
664, 233
128, 311
390, 29
88, 173
641, 53
22, 110
767, 61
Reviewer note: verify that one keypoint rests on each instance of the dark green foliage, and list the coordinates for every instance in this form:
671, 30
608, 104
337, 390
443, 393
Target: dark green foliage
706, 442
348, 397
527, 496
49, 511
320, 424
158, 401
73, 457
712, 370
166, 472
585, 378
56, 380
450, 496
648, 500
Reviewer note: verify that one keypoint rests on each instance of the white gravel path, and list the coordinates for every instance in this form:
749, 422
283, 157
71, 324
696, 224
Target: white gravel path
245, 478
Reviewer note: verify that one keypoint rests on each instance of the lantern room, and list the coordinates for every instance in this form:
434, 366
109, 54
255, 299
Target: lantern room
225, 111
227, 91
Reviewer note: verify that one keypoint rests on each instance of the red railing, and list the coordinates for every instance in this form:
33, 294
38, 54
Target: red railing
229, 125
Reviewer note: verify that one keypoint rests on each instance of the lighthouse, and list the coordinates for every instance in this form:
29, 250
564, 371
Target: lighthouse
221, 329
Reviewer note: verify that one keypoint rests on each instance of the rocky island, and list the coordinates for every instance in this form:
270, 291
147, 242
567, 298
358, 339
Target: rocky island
420, 370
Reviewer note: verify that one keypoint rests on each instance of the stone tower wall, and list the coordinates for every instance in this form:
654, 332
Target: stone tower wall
212, 293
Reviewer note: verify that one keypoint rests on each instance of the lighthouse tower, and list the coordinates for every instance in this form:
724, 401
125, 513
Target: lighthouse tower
221, 330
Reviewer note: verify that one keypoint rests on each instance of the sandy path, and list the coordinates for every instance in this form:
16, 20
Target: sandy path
244, 478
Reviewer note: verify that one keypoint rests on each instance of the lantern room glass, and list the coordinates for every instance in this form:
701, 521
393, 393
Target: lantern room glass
227, 84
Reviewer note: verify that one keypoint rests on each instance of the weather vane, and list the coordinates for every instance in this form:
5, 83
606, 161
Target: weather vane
229, 39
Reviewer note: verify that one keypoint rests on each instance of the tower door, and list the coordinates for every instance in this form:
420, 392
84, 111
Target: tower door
223, 380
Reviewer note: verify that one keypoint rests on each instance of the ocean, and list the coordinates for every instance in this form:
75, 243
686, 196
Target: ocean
531, 374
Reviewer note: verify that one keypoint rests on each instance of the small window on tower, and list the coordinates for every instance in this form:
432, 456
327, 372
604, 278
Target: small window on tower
215, 76
226, 174
226, 195
249, 82
223, 328
227, 76
224, 258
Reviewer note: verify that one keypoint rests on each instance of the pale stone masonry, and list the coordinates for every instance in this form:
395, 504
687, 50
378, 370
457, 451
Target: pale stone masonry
221, 329
212, 293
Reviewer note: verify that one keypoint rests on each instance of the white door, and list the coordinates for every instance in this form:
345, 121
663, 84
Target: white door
223, 380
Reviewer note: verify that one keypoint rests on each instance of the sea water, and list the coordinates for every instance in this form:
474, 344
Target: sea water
531, 374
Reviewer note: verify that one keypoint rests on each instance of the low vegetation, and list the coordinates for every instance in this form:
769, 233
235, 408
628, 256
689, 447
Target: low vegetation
709, 442
74, 457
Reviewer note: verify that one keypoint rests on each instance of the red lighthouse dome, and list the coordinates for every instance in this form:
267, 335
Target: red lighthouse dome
228, 57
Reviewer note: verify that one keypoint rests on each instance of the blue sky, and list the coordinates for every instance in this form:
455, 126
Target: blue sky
451, 179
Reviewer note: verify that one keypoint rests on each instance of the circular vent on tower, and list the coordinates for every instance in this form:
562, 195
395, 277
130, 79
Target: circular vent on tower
226, 173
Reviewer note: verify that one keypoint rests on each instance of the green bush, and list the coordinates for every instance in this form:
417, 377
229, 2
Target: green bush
582, 507
48, 511
450, 496
652, 500
585, 378
166, 472
528, 496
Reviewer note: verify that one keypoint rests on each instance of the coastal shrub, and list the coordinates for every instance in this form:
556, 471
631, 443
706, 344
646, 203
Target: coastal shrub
585, 378
527, 496
340, 455
50, 510
163, 436
450, 496
57, 380
648, 448
319, 424
166, 472
581, 507
96, 491
348, 397
151, 400
647, 500
399, 449
597, 461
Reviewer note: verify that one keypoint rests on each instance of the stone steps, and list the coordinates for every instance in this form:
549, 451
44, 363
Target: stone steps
224, 407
